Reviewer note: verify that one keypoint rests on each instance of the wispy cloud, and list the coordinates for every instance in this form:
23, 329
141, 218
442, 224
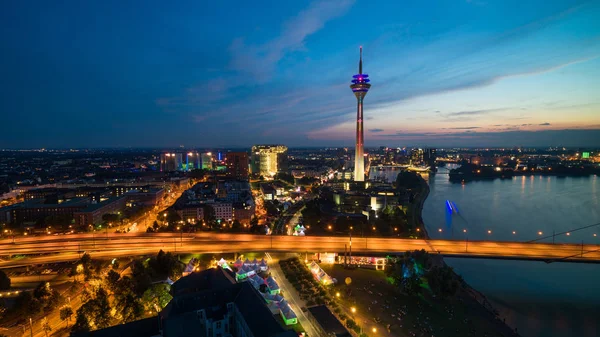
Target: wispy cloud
545, 124
472, 112
376, 130
260, 59
463, 128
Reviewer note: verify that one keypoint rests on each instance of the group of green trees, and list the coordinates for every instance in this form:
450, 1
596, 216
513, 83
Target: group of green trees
130, 296
408, 180
95, 313
411, 271
43, 299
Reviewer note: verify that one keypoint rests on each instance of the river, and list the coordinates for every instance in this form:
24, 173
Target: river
539, 299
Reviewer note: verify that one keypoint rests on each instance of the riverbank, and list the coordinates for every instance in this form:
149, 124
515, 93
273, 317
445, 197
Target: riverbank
472, 298
416, 220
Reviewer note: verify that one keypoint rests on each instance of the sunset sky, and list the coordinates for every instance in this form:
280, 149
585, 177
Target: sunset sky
236, 73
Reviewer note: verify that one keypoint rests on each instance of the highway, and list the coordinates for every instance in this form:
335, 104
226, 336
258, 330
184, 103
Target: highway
27, 250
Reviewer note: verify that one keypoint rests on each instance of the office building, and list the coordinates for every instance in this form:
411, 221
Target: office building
416, 157
31, 211
237, 165
92, 214
171, 162
268, 160
193, 161
207, 161
429, 157
360, 86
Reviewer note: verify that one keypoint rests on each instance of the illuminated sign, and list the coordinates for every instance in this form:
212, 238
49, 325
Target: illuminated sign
585, 155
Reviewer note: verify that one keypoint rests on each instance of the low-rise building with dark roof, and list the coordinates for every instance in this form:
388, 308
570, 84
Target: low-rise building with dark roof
92, 214
328, 322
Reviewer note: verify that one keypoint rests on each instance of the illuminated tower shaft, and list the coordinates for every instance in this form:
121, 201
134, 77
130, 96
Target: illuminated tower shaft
360, 86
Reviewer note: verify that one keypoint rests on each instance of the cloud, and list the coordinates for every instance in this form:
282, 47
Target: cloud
260, 60
463, 128
376, 130
545, 124
473, 112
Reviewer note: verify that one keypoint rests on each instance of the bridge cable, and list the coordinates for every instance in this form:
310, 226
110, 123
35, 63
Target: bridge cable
561, 233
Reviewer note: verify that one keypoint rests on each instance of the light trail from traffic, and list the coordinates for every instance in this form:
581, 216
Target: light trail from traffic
66, 248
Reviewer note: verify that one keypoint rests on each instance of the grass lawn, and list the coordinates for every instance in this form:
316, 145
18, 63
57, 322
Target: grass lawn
372, 294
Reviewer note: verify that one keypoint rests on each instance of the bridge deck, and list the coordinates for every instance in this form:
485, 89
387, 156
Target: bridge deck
69, 247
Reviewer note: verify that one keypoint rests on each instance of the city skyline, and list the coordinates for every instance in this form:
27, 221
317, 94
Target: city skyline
471, 73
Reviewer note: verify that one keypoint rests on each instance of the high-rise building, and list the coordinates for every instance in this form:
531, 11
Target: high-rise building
429, 157
237, 165
416, 156
360, 86
192, 161
267, 160
171, 162
207, 161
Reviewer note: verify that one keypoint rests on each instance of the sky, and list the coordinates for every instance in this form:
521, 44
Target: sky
230, 73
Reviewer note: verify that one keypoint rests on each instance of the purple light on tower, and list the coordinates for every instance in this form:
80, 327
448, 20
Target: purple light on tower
360, 86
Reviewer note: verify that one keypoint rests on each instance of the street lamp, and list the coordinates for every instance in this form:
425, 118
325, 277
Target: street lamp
374, 330
337, 294
540, 233
353, 309
489, 231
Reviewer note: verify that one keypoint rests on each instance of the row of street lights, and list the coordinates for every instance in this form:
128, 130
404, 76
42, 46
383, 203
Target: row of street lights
489, 231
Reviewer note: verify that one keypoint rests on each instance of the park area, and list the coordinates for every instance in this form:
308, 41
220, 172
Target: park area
382, 309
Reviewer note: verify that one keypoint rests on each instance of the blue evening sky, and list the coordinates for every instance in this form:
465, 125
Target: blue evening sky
236, 73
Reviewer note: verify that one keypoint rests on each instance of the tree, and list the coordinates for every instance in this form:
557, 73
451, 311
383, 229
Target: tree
140, 279
82, 322
102, 315
236, 226
43, 290
4, 281
131, 308
173, 217
408, 180
443, 281
65, 314
85, 295
28, 303
46, 326
165, 265
209, 215
157, 296
111, 279
110, 217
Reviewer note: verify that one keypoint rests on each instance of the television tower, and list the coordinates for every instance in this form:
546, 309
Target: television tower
360, 86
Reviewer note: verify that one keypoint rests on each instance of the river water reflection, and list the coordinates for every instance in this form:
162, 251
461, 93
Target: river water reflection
557, 299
